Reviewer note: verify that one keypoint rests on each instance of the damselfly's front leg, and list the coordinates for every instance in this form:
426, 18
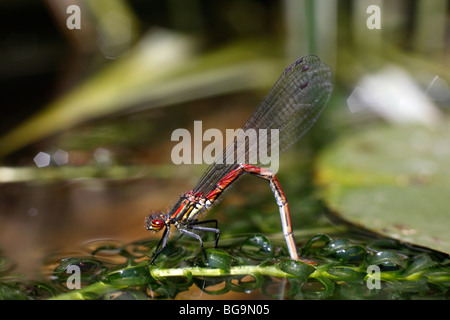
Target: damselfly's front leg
280, 198
161, 245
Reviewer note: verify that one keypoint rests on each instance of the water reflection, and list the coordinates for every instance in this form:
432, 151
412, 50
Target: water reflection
42, 217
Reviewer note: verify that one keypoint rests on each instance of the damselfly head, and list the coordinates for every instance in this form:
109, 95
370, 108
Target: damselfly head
155, 222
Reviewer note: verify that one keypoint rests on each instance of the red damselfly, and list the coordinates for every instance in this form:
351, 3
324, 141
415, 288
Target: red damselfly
291, 107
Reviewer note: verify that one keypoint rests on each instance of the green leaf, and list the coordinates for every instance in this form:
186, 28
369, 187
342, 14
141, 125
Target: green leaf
392, 180
419, 264
129, 276
257, 245
297, 268
388, 260
343, 250
218, 259
344, 273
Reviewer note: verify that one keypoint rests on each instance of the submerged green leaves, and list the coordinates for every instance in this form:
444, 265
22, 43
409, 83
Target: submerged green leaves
252, 265
256, 265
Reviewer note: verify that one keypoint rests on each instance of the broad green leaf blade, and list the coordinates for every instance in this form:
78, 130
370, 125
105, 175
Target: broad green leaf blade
392, 180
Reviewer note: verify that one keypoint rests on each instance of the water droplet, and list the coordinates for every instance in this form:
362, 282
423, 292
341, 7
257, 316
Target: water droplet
61, 157
102, 156
42, 159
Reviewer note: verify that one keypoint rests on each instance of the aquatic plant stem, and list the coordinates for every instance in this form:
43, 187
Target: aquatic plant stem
86, 293
239, 270
100, 288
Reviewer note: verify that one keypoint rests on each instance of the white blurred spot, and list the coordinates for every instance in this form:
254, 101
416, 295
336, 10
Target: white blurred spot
102, 155
438, 89
356, 101
42, 159
61, 157
162, 49
393, 95
33, 212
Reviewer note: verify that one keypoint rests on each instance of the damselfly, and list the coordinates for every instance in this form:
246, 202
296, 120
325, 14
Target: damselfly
291, 107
